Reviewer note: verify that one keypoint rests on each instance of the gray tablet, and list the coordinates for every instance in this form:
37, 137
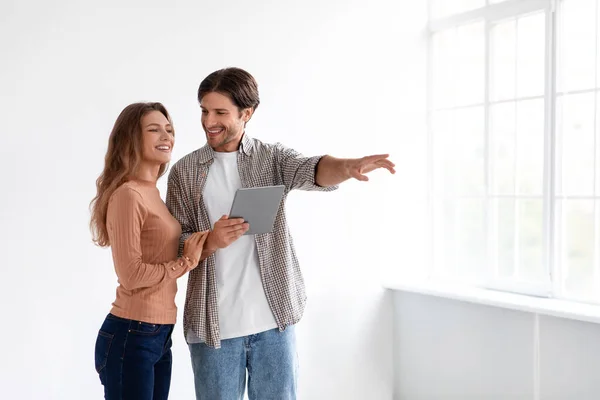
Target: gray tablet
258, 206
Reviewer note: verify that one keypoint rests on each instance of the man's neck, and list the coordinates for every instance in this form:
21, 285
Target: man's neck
230, 147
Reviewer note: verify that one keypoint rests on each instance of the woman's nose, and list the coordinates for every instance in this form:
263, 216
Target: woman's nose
165, 135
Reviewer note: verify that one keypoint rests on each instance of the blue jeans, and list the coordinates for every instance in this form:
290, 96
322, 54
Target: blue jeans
133, 359
270, 358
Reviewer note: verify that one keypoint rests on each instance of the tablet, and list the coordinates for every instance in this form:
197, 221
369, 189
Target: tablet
258, 206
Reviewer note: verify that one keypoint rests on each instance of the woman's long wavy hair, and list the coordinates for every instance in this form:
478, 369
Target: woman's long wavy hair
121, 162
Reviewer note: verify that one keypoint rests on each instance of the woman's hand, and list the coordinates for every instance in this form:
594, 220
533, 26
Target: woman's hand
193, 246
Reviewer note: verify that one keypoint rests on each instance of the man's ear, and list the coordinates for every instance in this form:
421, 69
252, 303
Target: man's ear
247, 114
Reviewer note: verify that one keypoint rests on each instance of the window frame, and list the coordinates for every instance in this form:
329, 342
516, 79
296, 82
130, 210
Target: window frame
491, 14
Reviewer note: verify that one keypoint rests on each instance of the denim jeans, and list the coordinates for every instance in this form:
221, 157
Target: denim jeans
133, 359
270, 358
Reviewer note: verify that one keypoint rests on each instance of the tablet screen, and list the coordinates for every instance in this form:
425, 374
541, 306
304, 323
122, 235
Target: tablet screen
258, 206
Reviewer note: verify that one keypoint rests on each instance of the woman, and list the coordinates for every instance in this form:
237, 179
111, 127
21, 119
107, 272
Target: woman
133, 348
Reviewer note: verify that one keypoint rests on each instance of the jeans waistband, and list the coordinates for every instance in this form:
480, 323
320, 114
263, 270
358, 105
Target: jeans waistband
125, 320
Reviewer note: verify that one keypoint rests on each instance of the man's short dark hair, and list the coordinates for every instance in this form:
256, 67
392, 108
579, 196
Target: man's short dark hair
235, 83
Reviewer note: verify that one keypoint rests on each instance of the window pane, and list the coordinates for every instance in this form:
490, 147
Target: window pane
443, 50
597, 146
444, 238
444, 8
504, 60
530, 54
530, 240
469, 151
530, 147
597, 44
458, 154
459, 66
577, 240
503, 147
460, 242
505, 224
470, 64
577, 60
471, 235
444, 163
575, 144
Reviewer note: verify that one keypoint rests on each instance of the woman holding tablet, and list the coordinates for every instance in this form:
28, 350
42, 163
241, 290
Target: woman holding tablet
133, 347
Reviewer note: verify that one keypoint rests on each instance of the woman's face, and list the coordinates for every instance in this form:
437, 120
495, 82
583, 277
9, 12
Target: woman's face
157, 138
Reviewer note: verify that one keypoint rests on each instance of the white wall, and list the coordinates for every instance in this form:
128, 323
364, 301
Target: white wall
453, 350
338, 77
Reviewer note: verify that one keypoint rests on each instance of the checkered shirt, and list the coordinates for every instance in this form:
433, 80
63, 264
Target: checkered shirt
259, 164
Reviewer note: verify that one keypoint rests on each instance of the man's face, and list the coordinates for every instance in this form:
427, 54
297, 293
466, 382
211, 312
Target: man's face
223, 122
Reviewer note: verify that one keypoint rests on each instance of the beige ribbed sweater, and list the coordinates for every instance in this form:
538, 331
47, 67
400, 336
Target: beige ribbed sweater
144, 239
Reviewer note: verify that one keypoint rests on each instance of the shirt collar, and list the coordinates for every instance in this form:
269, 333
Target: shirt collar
206, 153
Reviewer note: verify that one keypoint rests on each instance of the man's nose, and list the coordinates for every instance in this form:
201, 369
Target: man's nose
209, 120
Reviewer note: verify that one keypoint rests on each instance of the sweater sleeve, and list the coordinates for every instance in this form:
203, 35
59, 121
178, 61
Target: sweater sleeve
125, 218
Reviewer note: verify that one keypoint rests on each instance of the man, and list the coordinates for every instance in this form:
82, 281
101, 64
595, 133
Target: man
247, 294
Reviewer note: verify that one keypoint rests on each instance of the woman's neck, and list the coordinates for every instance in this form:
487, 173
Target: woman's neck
147, 173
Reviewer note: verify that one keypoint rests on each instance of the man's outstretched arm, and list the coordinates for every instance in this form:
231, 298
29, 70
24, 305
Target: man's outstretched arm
332, 171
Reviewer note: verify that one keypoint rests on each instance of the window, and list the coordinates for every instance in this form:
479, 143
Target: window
513, 144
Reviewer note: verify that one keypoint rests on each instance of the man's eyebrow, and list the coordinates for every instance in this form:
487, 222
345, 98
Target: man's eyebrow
216, 109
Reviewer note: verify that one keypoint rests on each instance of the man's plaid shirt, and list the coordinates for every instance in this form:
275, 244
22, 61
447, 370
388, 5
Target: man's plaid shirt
259, 164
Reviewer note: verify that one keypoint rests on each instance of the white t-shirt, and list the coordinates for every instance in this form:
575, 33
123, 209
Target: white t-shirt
243, 306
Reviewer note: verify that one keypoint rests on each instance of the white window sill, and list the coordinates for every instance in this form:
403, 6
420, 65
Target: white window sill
512, 301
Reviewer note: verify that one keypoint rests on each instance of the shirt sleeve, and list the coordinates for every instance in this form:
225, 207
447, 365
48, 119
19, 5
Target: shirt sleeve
177, 207
298, 171
125, 218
